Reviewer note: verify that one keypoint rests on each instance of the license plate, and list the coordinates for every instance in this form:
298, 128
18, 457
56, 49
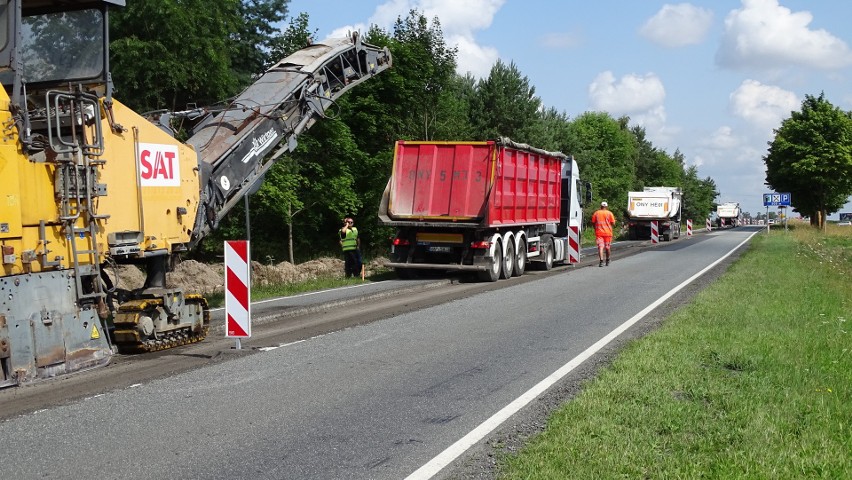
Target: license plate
441, 249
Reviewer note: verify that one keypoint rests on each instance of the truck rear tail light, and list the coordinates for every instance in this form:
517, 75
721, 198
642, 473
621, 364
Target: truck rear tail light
480, 244
401, 242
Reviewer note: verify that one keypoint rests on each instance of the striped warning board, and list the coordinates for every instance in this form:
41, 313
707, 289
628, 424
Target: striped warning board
655, 231
573, 244
237, 289
709, 228
688, 228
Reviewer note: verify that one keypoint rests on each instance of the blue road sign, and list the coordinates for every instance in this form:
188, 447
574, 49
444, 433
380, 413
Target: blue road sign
776, 199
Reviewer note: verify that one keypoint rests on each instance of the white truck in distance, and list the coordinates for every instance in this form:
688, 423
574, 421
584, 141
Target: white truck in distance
660, 204
728, 214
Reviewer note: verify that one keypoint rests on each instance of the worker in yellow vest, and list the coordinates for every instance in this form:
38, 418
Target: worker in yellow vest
351, 246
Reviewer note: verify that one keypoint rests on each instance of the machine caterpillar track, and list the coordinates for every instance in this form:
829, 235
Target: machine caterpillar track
136, 329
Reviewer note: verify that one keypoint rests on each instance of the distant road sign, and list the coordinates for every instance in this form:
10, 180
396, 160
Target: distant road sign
776, 199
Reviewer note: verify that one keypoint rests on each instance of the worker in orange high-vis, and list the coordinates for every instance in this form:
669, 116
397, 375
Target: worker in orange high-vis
603, 221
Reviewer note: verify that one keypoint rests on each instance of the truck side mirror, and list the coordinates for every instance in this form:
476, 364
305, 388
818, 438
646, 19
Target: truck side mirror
588, 192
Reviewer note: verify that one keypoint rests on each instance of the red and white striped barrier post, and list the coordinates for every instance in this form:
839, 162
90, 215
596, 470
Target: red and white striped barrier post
237, 290
721, 223
655, 231
708, 225
573, 244
688, 228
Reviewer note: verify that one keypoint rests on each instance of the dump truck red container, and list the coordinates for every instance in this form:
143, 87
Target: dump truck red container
489, 183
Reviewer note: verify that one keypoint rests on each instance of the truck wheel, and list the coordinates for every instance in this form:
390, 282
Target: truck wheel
493, 273
508, 261
548, 255
520, 260
631, 233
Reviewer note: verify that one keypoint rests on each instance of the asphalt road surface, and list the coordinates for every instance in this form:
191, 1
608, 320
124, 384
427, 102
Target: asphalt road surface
365, 384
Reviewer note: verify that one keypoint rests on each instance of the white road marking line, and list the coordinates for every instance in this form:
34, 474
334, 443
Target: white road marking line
431, 468
266, 349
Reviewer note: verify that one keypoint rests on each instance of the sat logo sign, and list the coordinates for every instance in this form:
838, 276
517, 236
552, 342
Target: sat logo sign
159, 165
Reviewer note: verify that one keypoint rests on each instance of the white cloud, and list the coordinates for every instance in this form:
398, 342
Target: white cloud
765, 35
345, 30
632, 94
764, 106
641, 97
459, 22
472, 57
654, 123
736, 167
459, 17
678, 25
387, 13
723, 138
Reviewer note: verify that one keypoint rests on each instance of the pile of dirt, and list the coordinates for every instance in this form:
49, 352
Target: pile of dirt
193, 276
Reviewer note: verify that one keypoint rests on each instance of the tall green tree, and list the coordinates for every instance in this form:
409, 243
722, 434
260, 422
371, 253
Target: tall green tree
430, 67
420, 98
550, 130
257, 34
811, 157
296, 36
410, 100
505, 105
698, 195
167, 54
605, 150
655, 167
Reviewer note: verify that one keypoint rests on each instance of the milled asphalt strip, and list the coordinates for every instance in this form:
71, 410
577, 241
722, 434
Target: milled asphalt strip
307, 294
455, 450
296, 311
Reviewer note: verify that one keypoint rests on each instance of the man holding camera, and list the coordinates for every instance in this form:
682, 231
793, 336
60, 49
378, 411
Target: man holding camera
351, 245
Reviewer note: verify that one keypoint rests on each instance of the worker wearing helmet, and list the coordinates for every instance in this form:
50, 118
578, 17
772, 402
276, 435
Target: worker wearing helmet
603, 221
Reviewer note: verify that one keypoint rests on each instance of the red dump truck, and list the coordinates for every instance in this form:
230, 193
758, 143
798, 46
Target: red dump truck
485, 207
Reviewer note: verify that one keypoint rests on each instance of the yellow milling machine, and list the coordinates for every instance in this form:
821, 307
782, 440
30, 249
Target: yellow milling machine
88, 183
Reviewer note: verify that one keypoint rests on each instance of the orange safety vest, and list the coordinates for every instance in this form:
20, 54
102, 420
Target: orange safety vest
603, 220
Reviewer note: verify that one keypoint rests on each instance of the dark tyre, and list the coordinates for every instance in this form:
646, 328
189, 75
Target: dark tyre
547, 264
508, 261
493, 273
520, 260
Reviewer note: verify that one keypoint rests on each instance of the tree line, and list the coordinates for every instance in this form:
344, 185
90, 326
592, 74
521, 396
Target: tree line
171, 54
811, 158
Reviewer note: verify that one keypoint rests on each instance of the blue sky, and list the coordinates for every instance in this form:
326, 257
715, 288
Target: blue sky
711, 77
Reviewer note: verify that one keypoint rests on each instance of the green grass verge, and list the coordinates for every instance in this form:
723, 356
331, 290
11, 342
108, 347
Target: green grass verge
751, 380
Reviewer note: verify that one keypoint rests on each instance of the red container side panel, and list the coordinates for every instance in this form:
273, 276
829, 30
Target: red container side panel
527, 188
441, 180
474, 181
